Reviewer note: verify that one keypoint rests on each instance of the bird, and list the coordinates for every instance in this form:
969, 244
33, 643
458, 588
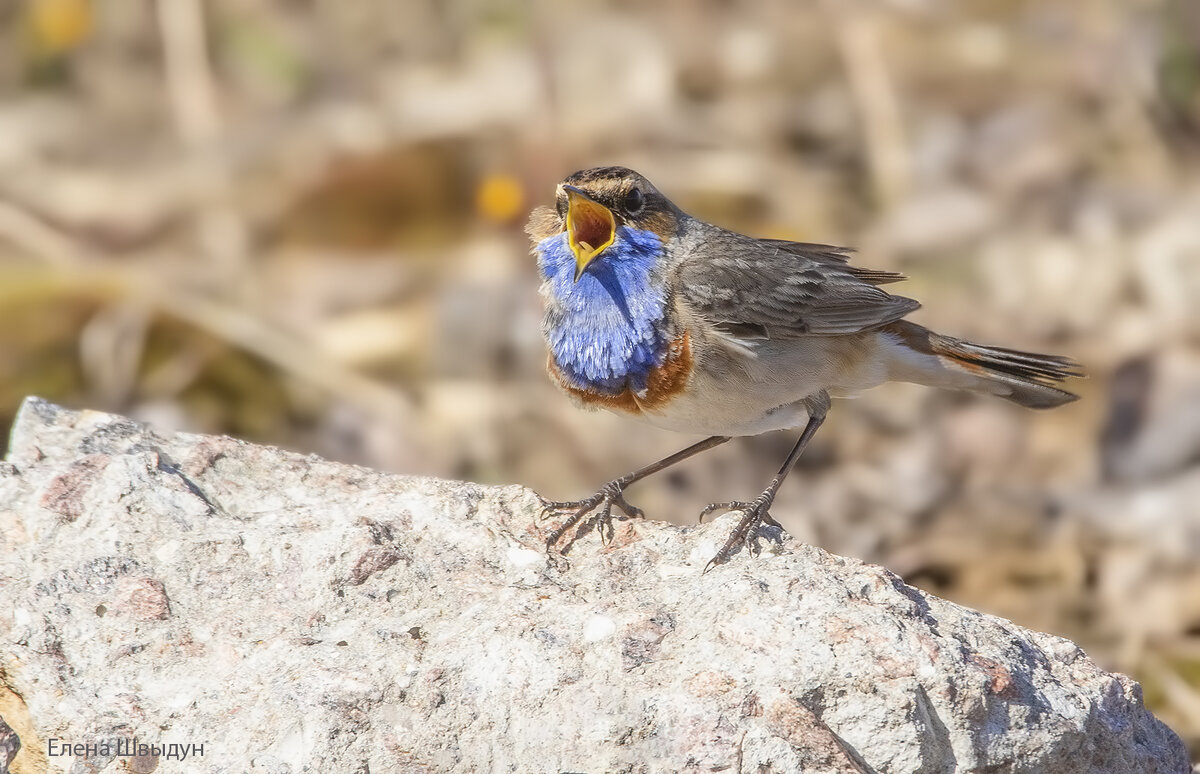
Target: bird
663, 317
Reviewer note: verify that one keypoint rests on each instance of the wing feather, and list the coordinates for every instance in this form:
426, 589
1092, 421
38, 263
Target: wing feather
782, 289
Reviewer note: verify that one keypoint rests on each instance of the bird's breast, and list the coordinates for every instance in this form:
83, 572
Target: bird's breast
664, 382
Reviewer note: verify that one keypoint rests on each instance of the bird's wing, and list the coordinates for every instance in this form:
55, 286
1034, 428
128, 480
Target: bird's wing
767, 288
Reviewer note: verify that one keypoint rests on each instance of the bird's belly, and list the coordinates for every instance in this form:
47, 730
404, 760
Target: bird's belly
704, 388
725, 414
714, 396
733, 401
732, 394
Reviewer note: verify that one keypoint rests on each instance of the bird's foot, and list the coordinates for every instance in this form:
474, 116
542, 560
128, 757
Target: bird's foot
754, 513
600, 505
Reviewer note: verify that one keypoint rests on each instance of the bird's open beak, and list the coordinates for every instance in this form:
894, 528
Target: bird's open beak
591, 228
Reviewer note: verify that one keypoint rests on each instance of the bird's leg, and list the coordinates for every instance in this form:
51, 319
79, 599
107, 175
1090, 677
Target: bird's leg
758, 511
613, 493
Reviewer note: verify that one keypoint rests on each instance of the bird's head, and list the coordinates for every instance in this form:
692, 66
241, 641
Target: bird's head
592, 205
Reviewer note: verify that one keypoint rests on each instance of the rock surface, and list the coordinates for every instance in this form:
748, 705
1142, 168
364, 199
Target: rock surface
290, 614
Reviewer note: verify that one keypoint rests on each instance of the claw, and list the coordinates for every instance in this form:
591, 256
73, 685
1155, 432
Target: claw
603, 522
632, 511
753, 514
601, 504
554, 507
732, 505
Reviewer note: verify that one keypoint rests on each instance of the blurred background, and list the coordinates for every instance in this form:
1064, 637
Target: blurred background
299, 222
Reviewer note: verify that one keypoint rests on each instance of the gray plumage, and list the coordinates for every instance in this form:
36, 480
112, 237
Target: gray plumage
781, 289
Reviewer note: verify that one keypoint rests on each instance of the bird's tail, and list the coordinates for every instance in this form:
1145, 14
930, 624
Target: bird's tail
922, 356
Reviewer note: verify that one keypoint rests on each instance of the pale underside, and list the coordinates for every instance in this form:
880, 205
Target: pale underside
757, 386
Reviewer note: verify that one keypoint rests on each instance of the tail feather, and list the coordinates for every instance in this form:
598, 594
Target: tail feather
1026, 378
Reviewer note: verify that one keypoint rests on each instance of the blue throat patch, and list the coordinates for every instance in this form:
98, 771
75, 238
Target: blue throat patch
608, 334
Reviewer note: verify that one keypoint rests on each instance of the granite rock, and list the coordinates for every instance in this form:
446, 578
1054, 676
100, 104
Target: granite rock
264, 611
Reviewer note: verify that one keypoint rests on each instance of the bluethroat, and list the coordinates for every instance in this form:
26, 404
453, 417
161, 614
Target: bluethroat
652, 313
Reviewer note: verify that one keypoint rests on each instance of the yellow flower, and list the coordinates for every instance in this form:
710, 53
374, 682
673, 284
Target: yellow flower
58, 26
499, 198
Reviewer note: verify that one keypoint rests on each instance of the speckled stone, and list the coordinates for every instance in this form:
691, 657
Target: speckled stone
292, 614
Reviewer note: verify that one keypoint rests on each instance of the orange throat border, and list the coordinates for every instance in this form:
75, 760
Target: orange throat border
664, 382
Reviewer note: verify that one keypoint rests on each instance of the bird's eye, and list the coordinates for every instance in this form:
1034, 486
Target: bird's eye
633, 201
